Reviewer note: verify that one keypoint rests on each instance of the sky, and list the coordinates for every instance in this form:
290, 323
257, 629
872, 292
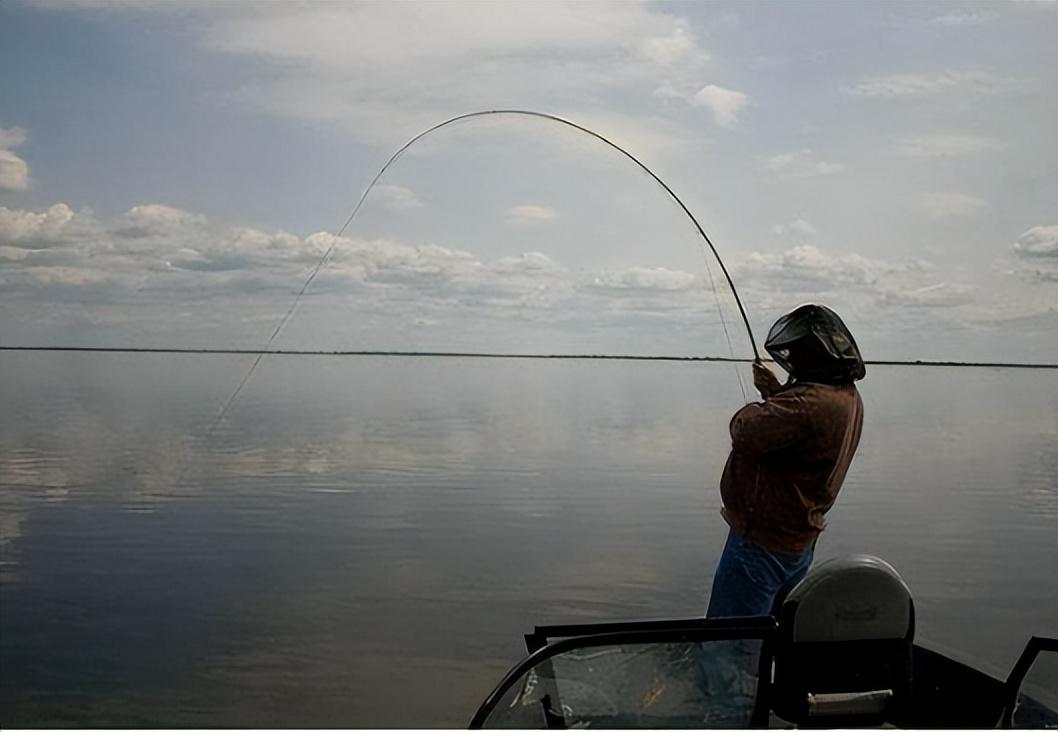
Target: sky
172, 173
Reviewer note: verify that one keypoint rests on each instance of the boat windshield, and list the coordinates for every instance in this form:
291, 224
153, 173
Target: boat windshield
629, 682
1033, 684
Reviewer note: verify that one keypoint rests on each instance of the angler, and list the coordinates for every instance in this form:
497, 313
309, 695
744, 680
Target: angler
789, 456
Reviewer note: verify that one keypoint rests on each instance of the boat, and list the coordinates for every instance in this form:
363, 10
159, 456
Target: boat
839, 650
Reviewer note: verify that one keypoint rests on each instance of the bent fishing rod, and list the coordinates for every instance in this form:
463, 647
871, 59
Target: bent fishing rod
459, 118
597, 136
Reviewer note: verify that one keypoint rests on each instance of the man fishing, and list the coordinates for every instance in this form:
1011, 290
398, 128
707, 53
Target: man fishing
789, 456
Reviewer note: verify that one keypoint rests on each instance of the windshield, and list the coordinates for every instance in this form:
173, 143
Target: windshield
659, 679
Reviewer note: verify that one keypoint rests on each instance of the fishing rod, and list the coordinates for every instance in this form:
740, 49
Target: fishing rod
597, 136
459, 118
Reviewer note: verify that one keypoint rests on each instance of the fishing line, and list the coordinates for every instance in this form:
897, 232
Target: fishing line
723, 324
470, 115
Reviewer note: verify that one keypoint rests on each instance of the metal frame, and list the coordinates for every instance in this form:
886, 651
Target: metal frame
1012, 686
543, 633
573, 637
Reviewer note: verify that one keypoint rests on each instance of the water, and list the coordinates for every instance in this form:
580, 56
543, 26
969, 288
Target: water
364, 540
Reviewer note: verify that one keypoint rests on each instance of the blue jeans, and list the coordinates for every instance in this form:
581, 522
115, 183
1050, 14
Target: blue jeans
749, 578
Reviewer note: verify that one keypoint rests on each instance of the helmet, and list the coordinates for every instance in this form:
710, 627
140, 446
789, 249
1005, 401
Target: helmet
812, 344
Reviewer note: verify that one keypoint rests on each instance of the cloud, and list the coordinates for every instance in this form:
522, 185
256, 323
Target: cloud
725, 104
316, 55
154, 218
797, 227
1039, 241
939, 295
903, 86
597, 63
670, 49
950, 205
29, 230
527, 263
146, 245
530, 214
646, 279
944, 145
159, 275
807, 267
799, 164
170, 252
397, 198
1034, 248
862, 283
14, 171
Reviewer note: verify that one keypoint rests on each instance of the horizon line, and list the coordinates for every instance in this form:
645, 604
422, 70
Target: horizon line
479, 354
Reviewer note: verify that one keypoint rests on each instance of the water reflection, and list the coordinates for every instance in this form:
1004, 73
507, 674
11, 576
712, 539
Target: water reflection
362, 542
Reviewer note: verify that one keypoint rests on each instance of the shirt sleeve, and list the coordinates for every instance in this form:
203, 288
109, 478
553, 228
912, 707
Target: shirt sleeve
764, 427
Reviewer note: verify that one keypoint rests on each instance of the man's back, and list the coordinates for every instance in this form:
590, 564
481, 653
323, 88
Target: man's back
788, 460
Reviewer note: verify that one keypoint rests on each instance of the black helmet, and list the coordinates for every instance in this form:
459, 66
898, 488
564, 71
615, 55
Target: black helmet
812, 344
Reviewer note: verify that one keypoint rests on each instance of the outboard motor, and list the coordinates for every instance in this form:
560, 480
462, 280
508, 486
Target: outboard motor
843, 654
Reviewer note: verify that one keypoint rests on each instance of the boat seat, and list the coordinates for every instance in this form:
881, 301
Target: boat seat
842, 655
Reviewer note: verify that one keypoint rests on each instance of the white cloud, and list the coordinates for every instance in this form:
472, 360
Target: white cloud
669, 49
939, 295
808, 267
397, 198
725, 104
153, 218
898, 86
599, 51
26, 229
595, 62
1037, 249
14, 171
799, 164
527, 263
944, 145
807, 272
158, 275
950, 205
798, 227
1039, 241
646, 278
530, 214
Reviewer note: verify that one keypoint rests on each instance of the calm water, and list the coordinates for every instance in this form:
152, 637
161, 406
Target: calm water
363, 541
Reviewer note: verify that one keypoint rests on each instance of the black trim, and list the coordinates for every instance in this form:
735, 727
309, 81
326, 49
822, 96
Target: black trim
543, 633
663, 631
1012, 686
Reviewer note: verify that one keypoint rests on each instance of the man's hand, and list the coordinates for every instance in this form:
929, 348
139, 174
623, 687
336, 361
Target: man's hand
764, 380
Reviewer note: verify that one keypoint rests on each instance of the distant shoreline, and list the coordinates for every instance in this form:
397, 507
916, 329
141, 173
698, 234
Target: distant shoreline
472, 354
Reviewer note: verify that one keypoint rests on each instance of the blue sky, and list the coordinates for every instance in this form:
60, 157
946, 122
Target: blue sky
169, 173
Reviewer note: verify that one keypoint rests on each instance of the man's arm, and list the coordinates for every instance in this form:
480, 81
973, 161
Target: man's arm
777, 423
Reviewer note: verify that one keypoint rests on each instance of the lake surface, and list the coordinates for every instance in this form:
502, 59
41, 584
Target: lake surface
363, 541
